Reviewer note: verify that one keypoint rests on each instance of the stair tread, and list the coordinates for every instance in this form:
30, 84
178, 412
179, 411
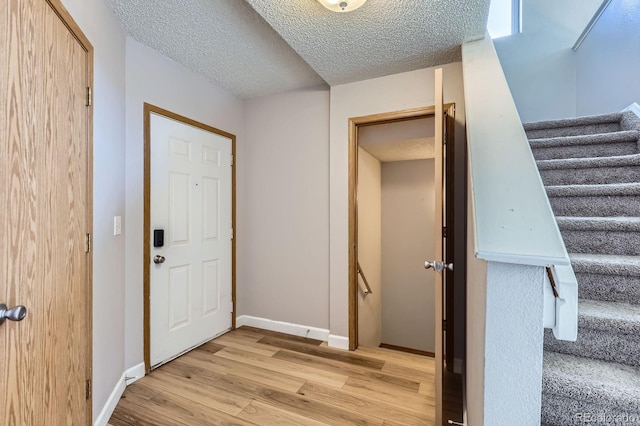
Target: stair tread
593, 189
605, 264
579, 121
590, 162
618, 223
606, 316
592, 139
590, 379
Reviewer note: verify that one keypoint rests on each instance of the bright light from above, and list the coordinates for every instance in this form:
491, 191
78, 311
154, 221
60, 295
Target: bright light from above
504, 18
342, 5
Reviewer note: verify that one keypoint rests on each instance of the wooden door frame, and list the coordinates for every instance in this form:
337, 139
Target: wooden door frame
148, 110
354, 124
83, 40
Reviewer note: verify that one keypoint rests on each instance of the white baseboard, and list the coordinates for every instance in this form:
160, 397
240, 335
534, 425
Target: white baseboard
633, 107
129, 376
134, 373
338, 342
111, 403
283, 327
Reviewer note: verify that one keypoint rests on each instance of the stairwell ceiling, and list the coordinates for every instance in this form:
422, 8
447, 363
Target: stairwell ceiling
258, 47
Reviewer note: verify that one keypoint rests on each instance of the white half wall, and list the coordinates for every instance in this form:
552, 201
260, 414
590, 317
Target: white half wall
408, 290
99, 24
608, 61
386, 94
370, 248
476, 320
513, 344
286, 217
155, 79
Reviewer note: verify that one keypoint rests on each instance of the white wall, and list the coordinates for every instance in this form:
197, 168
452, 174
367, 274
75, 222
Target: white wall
97, 21
408, 290
608, 61
286, 217
539, 63
385, 94
153, 78
370, 248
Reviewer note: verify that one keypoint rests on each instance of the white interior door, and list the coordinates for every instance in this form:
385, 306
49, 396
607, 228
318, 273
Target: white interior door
190, 274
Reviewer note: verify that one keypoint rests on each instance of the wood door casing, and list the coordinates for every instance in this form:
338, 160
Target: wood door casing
45, 214
354, 123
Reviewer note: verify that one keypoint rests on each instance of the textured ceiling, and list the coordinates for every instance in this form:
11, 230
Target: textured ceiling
382, 37
258, 47
403, 150
224, 40
399, 141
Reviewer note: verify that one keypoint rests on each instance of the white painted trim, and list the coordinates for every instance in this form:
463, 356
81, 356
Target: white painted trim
522, 259
134, 373
634, 107
338, 342
111, 403
513, 219
592, 23
129, 376
283, 327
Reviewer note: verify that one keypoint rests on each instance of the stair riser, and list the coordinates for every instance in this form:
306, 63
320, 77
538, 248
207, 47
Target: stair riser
606, 242
609, 287
591, 176
585, 151
604, 345
562, 411
574, 130
596, 206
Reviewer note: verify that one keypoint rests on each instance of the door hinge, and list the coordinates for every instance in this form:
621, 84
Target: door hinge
232, 234
232, 160
444, 325
88, 248
88, 389
231, 307
444, 232
89, 96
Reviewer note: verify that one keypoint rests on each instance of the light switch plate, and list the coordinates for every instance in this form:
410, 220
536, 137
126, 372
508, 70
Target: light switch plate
117, 225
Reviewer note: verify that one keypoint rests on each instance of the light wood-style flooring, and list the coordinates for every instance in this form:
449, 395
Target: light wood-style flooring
251, 376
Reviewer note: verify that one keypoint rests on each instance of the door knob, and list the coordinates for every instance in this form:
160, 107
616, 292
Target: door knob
17, 313
438, 266
157, 259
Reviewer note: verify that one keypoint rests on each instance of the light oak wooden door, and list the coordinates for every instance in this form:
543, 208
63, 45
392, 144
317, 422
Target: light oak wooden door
45, 215
191, 201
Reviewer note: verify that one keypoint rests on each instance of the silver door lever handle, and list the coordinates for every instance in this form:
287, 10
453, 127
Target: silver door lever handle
17, 313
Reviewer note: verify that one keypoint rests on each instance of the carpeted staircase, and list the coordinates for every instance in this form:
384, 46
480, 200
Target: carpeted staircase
591, 169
